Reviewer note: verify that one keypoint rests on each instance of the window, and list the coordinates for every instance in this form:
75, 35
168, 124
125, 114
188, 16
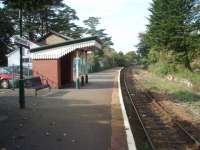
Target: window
26, 60
23, 52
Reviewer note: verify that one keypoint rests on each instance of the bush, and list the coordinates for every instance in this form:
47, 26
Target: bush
144, 63
162, 68
177, 70
195, 66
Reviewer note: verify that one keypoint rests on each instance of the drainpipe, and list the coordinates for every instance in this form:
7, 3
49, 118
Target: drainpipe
82, 69
86, 68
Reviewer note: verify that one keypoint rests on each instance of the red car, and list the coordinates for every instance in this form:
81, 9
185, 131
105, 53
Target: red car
5, 77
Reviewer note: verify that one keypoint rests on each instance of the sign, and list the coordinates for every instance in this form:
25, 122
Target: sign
77, 61
20, 41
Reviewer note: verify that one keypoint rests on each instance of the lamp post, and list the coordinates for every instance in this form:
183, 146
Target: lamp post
21, 80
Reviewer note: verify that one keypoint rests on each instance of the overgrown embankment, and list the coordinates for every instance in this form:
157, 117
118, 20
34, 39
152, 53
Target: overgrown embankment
180, 92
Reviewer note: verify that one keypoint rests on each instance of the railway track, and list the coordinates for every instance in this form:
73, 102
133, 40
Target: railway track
161, 129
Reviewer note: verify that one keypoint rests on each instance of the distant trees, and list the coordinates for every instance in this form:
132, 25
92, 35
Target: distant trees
173, 32
127, 59
143, 45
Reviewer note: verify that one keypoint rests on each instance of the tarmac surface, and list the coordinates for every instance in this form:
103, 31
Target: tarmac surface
65, 119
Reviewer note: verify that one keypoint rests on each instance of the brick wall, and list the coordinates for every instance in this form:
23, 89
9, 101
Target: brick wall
48, 70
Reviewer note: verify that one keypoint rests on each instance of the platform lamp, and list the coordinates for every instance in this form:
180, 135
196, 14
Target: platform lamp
21, 81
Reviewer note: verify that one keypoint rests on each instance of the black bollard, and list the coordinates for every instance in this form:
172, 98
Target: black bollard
86, 78
82, 80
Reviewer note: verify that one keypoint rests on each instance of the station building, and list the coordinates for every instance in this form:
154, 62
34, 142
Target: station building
61, 60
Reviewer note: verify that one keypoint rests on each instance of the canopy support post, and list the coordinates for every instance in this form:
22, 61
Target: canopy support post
77, 70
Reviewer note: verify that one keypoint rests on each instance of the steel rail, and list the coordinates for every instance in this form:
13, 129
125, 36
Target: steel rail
137, 113
197, 142
191, 137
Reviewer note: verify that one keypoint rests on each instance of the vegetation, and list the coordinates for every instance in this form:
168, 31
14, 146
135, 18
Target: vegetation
172, 37
170, 47
177, 91
5, 34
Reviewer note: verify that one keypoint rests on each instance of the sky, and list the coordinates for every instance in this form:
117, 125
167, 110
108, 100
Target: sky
122, 19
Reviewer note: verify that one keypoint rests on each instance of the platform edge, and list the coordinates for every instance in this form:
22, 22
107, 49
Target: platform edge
129, 135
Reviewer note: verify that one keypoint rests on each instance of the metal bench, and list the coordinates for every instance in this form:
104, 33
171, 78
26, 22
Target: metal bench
35, 83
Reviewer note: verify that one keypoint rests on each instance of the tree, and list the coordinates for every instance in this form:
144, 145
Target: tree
6, 31
92, 24
119, 58
143, 47
49, 15
171, 26
130, 58
63, 22
31, 4
105, 54
33, 12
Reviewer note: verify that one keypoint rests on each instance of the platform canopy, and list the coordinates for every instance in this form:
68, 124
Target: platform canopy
56, 51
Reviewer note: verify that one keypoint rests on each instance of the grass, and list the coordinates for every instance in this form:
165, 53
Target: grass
177, 91
179, 71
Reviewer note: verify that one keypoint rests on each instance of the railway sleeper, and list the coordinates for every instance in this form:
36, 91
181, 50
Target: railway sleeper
163, 145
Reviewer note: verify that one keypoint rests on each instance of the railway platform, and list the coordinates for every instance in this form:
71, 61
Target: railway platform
86, 119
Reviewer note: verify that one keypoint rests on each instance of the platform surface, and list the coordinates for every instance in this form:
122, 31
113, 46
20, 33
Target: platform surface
66, 119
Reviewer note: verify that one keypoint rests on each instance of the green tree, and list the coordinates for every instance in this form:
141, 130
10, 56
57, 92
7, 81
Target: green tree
92, 24
143, 47
49, 15
106, 54
31, 4
63, 22
130, 58
120, 59
34, 14
6, 31
171, 26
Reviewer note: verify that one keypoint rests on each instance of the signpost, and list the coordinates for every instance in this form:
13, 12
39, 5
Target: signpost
22, 43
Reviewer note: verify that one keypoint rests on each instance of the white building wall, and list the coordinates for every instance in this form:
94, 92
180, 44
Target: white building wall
14, 57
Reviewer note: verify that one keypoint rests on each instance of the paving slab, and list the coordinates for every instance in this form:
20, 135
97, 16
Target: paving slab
65, 119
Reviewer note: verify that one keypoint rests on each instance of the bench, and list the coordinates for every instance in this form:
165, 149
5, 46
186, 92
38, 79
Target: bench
35, 83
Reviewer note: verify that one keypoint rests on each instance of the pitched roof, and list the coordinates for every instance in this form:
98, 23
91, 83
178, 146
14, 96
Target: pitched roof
65, 43
56, 51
